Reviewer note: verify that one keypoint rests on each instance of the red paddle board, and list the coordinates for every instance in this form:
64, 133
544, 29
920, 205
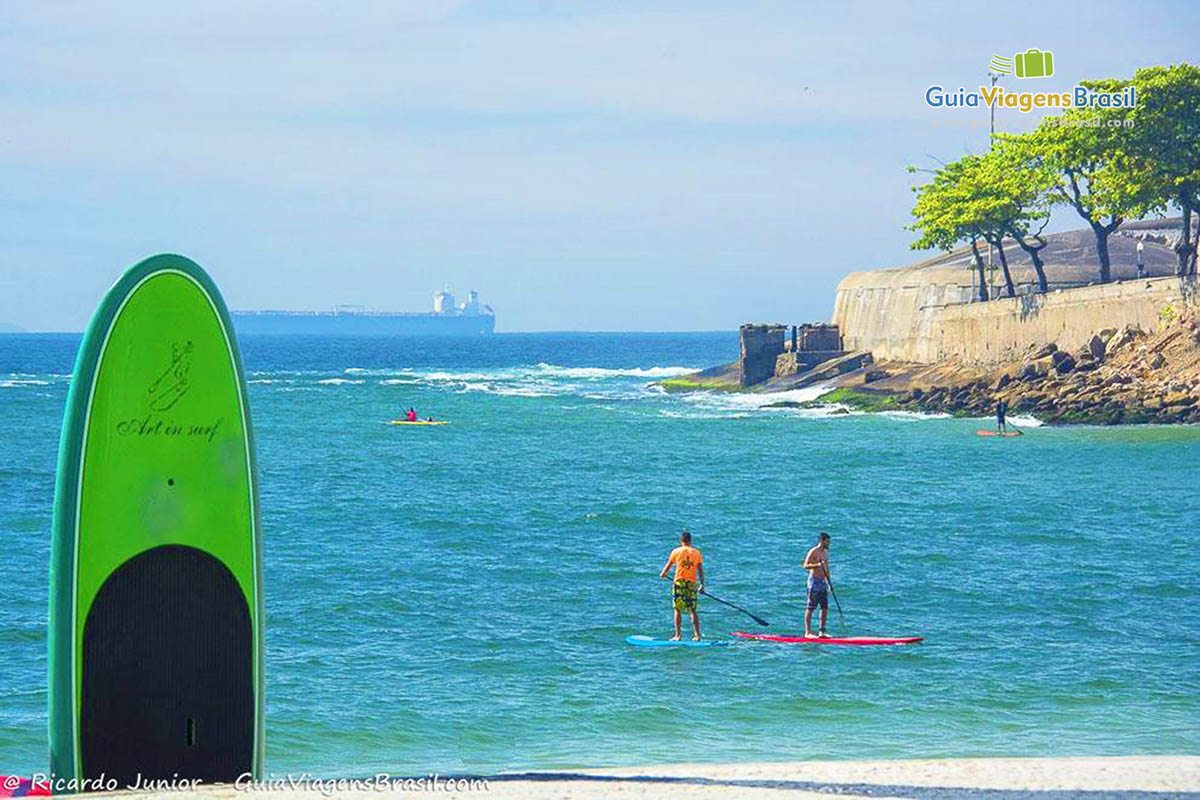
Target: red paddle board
767, 637
997, 433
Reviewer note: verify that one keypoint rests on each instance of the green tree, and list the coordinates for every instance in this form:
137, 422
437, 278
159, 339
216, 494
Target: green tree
1166, 137
949, 211
1097, 170
1024, 186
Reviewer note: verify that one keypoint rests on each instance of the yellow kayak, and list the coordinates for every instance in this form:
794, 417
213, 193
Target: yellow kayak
418, 422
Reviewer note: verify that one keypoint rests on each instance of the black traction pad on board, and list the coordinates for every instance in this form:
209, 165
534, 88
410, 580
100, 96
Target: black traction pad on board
168, 671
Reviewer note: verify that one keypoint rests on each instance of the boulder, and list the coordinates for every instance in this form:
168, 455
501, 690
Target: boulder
874, 375
1121, 339
1107, 334
1044, 351
1062, 362
1178, 399
1158, 361
1096, 347
1001, 382
1037, 368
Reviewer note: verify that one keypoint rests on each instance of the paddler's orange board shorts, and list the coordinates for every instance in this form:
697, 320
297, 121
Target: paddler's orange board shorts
685, 595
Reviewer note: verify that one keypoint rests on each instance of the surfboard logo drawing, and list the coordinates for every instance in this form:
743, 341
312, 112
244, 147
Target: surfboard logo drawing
166, 391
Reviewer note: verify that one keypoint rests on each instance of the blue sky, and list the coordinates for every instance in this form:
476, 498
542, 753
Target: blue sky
585, 165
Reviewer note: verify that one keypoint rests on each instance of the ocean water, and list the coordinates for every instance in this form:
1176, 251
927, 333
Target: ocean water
455, 598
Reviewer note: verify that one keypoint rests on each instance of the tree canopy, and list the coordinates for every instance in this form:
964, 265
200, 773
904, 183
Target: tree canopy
1109, 164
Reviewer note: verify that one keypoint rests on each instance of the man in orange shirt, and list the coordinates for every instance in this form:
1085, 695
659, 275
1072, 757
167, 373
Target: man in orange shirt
685, 591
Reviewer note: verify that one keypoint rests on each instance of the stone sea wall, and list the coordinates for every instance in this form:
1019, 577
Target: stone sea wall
925, 322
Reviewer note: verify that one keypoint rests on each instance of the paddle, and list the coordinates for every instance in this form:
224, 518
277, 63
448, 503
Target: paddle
754, 617
829, 580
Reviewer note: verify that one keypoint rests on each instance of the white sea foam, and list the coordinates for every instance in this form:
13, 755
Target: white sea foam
537, 380
538, 371
735, 400
523, 391
473, 386
463, 376
381, 373
277, 372
697, 414
916, 416
602, 372
15, 383
1025, 421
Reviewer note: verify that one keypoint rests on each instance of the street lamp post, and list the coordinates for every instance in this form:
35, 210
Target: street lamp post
994, 77
992, 143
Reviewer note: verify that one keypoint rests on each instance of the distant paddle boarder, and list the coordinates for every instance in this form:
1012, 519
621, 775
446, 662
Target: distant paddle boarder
685, 590
1002, 415
816, 561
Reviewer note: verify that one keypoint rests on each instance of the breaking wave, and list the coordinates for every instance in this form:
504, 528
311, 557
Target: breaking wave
731, 401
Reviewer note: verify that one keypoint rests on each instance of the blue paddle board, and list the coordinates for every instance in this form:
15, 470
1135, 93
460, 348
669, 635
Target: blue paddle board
638, 640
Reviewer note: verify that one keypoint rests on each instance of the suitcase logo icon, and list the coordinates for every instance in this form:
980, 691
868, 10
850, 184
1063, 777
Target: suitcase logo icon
1033, 63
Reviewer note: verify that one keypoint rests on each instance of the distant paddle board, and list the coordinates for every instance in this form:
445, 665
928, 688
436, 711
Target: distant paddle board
858, 640
155, 636
650, 641
1005, 434
418, 422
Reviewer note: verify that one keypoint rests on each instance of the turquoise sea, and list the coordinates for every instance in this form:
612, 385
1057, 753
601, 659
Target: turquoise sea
455, 598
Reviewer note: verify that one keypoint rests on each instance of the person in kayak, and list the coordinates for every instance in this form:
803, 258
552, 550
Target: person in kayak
817, 564
411, 415
1002, 416
685, 590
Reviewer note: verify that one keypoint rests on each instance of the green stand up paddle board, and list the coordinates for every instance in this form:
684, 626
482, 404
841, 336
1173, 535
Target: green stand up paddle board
156, 614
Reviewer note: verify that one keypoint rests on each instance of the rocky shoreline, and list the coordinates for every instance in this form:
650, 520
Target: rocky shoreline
1122, 376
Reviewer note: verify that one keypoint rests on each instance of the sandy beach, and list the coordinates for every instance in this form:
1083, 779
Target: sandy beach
926, 779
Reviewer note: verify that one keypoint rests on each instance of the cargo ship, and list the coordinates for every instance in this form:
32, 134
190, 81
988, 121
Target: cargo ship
469, 318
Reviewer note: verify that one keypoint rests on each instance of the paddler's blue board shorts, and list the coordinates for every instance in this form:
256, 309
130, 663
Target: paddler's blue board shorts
685, 596
818, 593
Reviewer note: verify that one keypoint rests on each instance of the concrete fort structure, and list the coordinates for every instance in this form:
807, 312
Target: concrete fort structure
768, 351
924, 313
